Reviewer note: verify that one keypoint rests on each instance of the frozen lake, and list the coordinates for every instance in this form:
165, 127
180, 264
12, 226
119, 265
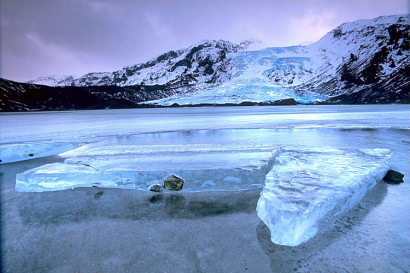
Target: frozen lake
121, 230
18, 127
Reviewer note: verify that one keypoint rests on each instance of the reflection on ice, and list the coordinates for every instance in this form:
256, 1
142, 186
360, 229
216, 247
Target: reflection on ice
203, 167
308, 188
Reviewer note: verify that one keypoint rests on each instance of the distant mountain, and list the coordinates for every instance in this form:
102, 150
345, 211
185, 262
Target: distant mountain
367, 61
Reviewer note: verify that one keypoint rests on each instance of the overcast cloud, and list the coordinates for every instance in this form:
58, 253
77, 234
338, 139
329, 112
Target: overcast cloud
40, 38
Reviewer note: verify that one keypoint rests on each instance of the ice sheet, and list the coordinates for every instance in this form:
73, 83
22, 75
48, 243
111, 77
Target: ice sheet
25, 151
203, 167
309, 187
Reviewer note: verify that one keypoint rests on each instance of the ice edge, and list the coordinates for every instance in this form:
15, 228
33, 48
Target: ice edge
291, 229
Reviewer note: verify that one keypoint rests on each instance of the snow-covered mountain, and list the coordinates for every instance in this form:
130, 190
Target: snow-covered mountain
369, 58
362, 54
367, 61
203, 64
54, 80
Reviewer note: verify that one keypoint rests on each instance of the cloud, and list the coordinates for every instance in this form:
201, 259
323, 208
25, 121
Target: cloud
312, 26
50, 50
157, 26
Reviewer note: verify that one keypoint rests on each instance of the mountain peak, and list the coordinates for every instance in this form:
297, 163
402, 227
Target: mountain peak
366, 59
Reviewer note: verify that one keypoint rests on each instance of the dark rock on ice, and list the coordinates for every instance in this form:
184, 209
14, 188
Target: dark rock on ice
98, 194
155, 188
393, 177
173, 183
30, 154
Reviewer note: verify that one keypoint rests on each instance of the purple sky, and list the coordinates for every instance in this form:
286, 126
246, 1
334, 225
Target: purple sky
40, 38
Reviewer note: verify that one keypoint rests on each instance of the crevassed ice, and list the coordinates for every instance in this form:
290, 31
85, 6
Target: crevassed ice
308, 188
25, 151
203, 167
259, 76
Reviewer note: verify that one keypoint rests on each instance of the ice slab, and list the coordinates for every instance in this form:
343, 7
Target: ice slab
25, 151
203, 167
308, 188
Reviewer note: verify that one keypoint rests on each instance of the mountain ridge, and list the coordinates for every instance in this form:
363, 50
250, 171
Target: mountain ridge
367, 60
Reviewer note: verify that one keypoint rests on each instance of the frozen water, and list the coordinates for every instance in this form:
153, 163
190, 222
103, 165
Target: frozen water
89, 125
25, 151
305, 190
55, 218
225, 129
203, 167
309, 187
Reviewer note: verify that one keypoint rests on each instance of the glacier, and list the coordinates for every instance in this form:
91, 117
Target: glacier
259, 76
308, 188
203, 167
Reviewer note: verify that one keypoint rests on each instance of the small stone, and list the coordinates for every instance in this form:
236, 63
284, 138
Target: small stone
155, 188
394, 177
173, 183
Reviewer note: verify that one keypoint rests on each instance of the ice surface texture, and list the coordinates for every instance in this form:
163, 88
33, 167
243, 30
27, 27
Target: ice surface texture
25, 151
308, 188
203, 167
304, 189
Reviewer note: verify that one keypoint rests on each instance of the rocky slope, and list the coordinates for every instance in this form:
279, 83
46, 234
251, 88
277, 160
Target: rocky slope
367, 61
15, 96
203, 64
369, 57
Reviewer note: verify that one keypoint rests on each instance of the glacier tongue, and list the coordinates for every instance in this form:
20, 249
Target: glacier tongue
309, 187
203, 167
